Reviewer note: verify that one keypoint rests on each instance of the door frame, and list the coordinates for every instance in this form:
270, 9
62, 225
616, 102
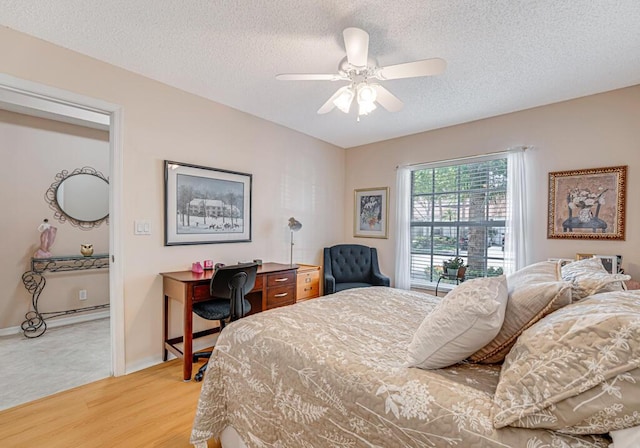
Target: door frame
36, 99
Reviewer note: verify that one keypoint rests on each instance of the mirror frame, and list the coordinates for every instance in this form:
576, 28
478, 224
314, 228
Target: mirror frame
51, 196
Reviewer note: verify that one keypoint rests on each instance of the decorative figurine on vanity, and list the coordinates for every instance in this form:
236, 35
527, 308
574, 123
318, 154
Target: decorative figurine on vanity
47, 237
86, 249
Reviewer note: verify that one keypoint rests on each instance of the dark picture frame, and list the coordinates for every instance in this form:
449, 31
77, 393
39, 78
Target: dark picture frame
371, 213
587, 204
205, 205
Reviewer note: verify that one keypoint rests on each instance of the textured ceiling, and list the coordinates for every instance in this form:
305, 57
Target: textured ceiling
502, 55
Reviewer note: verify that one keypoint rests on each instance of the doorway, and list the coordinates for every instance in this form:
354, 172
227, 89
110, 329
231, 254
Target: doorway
37, 100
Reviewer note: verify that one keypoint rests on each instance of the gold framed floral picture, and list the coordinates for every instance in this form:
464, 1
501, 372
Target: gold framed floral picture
587, 204
371, 219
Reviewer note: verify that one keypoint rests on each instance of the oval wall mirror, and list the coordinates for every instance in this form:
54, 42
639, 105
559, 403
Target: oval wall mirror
80, 197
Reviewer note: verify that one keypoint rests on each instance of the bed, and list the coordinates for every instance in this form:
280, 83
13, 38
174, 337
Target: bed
332, 372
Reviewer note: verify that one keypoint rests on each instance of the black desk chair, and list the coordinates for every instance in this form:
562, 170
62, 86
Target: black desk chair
229, 285
351, 266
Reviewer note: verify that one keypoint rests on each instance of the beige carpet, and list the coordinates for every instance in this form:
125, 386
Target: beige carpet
62, 358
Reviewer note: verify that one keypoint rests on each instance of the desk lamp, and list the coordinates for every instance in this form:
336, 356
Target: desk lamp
294, 226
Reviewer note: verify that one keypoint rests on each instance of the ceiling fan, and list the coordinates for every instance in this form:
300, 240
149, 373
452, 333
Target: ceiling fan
362, 75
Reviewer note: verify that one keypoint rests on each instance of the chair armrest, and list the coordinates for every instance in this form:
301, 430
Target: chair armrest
329, 284
329, 279
377, 279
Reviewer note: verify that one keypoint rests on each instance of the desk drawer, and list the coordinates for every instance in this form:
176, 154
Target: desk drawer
308, 291
281, 278
280, 296
308, 276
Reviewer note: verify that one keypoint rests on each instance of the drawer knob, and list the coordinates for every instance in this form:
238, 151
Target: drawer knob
281, 279
307, 280
282, 294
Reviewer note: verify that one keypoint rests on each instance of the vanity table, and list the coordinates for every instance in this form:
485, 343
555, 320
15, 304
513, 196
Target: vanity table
34, 281
79, 198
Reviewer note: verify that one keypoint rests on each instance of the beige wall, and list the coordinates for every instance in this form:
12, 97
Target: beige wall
591, 132
293, 175
296, 175
34, 150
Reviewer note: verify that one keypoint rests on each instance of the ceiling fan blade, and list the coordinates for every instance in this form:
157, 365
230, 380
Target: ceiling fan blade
329, 105
425, 67
308, 77
356, 42
387, 99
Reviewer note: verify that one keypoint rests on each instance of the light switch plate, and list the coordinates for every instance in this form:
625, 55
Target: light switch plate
142, 227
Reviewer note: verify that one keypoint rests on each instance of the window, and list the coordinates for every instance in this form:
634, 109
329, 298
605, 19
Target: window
458, 209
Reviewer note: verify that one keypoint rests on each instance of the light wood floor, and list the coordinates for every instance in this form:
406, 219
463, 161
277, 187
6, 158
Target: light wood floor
150, 408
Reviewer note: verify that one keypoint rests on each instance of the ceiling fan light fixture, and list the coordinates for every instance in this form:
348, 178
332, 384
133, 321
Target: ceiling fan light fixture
357, 69
344, 100
366, 93
366, 98
365, 107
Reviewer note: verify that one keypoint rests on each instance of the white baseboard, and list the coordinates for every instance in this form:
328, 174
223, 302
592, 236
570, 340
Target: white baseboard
60, 322
142, 364
198, 345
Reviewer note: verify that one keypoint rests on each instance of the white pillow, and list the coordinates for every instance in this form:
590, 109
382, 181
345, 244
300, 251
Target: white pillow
626, 438
466, 320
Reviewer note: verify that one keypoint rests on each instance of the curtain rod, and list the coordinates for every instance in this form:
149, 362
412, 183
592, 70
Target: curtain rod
513, 149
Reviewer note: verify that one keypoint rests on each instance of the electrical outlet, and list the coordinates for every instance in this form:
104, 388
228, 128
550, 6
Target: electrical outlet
83, 294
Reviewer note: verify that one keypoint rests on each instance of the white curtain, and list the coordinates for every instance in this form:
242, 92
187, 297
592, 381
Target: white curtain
403, 221
516, 246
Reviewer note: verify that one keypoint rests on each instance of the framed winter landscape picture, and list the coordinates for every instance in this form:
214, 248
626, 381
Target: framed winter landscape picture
205, 205
371, 215
587, 204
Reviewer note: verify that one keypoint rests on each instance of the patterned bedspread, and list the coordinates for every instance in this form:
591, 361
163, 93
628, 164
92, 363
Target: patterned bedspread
331, 372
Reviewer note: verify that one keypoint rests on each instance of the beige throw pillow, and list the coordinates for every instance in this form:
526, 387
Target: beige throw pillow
465, 320
577, 370
589, 277
534, 292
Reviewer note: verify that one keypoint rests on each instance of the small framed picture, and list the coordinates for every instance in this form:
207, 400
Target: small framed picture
610, 263
371, 218
583, 256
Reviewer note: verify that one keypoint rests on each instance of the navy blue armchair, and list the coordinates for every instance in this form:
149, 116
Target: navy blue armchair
351, 266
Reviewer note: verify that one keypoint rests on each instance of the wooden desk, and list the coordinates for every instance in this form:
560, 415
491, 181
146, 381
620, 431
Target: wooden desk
275, 286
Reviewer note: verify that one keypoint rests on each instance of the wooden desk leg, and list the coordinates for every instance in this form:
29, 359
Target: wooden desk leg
187, 361
165, 328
